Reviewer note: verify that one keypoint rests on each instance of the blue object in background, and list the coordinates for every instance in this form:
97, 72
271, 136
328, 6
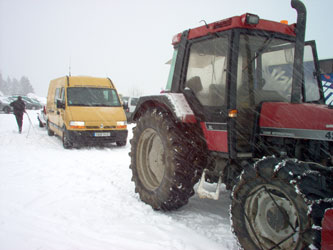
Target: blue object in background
327, 81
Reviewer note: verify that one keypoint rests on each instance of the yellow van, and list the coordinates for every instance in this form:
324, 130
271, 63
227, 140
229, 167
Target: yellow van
85, 110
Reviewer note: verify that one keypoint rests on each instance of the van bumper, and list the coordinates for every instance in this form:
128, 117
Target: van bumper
105, 136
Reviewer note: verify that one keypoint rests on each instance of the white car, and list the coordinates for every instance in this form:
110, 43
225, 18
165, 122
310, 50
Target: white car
130, 103
4, 105
41, 117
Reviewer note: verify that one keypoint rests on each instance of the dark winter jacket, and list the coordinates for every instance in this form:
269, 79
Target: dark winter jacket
18, 106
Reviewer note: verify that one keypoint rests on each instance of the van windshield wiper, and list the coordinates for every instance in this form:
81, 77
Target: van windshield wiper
79, 104
100, 105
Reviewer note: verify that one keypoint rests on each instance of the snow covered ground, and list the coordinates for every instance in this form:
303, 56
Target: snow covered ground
83, 199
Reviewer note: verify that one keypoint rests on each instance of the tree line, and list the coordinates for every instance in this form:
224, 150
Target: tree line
13, 86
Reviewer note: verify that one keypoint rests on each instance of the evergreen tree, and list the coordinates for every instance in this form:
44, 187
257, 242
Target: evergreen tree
2, 84
7, 86
25, 86
15, 87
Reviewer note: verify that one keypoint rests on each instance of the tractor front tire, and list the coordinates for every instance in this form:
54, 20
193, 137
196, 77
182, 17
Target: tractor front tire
165, 160
267, 211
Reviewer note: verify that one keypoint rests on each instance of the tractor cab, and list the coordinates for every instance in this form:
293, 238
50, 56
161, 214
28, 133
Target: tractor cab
227, 69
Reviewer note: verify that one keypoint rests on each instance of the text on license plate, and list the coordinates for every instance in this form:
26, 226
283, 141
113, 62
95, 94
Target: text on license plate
98, 134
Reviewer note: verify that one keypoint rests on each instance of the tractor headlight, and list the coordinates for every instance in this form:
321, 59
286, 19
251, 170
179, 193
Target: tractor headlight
250, 19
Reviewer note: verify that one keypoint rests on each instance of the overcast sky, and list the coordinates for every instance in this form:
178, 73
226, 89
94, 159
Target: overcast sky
126, 40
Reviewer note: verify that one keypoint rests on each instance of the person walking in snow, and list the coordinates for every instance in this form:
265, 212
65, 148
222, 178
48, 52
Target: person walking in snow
19, 109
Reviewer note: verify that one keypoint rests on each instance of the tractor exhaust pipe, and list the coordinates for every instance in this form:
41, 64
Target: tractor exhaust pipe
298, 71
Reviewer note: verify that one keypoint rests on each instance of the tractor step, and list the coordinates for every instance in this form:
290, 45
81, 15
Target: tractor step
204, 193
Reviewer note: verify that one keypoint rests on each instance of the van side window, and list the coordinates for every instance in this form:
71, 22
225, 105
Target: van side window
56, 96
62, 95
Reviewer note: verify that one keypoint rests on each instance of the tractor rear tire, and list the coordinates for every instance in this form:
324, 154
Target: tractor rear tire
268, 211
165, 160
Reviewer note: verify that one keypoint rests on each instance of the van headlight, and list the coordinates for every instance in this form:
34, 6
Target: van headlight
121, 124
77, 124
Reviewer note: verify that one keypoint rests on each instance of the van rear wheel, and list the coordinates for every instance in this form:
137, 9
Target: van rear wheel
49, 131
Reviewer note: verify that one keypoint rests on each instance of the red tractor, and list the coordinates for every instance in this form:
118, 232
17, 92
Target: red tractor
244, 106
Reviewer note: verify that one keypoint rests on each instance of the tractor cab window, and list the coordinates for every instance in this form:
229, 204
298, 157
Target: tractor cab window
277, 72
265, 71
311, 88
172, 62
265, 67
206, 72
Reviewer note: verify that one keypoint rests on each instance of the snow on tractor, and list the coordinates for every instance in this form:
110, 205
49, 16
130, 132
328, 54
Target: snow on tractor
244, 106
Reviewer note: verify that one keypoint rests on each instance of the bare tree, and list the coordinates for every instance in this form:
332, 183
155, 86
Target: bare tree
135, 92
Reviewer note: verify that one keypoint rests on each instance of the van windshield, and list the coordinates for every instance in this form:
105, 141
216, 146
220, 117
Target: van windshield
94, 97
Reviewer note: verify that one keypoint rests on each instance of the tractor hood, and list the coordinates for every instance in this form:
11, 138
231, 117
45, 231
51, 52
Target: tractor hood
307, 121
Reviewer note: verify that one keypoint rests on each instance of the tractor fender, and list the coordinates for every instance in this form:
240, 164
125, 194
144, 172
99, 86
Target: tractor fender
175, 103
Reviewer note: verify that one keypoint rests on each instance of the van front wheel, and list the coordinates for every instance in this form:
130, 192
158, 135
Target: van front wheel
121, 143
66, 142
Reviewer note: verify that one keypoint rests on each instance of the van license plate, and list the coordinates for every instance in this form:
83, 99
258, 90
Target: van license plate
99, 134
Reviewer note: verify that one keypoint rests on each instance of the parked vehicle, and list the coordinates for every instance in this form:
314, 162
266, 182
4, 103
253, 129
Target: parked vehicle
327, 81
85, 110
30, 103
130, 104
41, 117
243, 106
326, 68
4, 105
33, 104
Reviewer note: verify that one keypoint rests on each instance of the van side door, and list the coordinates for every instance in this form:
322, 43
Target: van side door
52, 111
61, 110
